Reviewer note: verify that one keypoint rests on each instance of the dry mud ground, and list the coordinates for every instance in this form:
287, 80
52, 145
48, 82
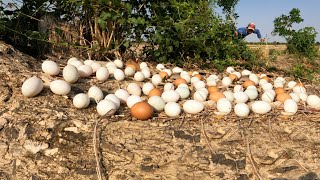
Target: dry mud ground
45, 137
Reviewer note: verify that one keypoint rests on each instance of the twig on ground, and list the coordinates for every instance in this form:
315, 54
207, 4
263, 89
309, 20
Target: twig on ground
98, 168
205, 136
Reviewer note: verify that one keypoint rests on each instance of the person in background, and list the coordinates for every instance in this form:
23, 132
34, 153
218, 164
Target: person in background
245, 31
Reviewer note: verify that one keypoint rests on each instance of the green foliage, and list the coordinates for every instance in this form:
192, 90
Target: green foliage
300, 41
303, 42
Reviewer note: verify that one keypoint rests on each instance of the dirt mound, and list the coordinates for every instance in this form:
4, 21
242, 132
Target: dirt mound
45, 137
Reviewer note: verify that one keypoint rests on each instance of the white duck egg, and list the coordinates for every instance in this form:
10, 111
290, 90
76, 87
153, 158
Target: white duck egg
184, 73
157, 103
194, 73
238, 88
134, 89
211, 83
139, 76
95, 66
81, 101
143, 65
168, 71
193, 107
118, 63
230, 70
291, 84
241, 110
186, 77
254, 78
110, 63
111, 69
160, 67
102, 74
268, 96
267, 86
129, 71
88, 62
246, 72
147, 87
295, 97
238, 74
70, 73
229, 95
252, 87
278, 85
183, 92
32, 87
177, 70
226, 81
114, 99
170, 96
200, 96
240, 97
281, 79
224, 106
60, 87
106, 106
50, 67
118, 75
76, 63
299, 89
204, 90
215, 77
95, 93
194, 79
172, 109
156, 79
85, 70
168, 86
252, 94
313, 101
122, 94
146, 73
303, 96
133, 99
72, 59
290, 106
260, 107
199, 85
183, 85
262, 82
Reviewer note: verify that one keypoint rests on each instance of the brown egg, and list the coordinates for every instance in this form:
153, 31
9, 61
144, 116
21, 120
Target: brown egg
248, 83
155, 92
283, 97
279, 90
163, 75
233, 77
266, 78
134, 63
300, 84
131, 65
198, 76
179, 81
212, 89
215, 96
142, 110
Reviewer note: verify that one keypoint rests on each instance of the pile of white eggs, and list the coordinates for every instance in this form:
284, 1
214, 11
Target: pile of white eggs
242, 92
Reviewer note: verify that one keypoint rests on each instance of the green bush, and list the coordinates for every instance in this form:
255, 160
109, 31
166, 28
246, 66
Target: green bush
303, 42
300, 41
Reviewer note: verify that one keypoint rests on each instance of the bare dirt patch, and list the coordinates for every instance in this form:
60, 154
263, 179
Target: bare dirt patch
45, 137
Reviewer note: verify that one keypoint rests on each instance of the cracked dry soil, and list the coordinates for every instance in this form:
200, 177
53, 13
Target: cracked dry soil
45, 137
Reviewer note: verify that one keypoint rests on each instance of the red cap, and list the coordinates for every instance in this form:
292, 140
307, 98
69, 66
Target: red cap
251, 26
